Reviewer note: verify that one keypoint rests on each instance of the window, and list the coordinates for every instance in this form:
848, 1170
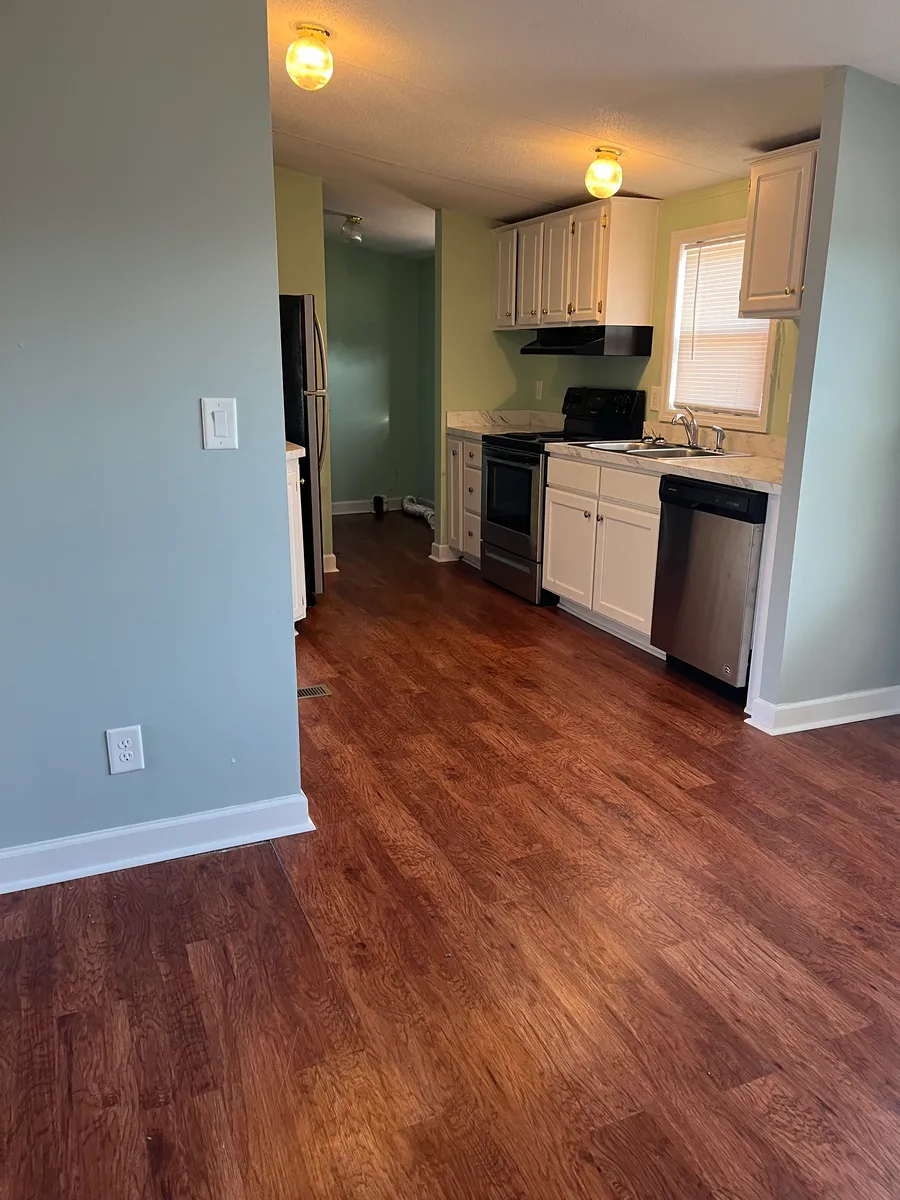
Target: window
717, 363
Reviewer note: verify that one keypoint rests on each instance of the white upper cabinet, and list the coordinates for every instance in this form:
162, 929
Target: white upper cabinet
555, 269
586, 290
781, 190
505, 278
590, 265
528, 271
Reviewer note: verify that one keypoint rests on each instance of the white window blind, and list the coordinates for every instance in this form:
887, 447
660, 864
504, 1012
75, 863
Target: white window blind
719, 360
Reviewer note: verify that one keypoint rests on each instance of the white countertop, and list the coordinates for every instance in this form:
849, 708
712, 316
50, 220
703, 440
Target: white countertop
475, 435
747, 470
293, 451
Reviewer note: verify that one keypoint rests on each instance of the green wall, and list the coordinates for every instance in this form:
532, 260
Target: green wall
724, 202
300, 231
380, 364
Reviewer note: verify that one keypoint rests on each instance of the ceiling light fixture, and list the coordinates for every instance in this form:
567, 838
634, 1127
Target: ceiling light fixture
603, 178
350, 230
309, 62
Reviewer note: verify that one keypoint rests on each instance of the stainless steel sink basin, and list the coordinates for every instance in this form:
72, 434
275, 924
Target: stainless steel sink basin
682, 452
664, 450
617, 447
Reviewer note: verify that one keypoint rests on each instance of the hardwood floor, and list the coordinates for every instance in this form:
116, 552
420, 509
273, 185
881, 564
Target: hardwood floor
568, 929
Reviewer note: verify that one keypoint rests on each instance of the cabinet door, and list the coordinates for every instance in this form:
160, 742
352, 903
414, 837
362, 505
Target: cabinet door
570, 533
295, 524
528, 274
585, 294
777, 234
505, 279
555, 270
625, 568
454, 492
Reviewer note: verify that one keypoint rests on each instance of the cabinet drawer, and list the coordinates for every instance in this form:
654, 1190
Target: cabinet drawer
472, 455
472, 490
630, 487
574, 476
471, 540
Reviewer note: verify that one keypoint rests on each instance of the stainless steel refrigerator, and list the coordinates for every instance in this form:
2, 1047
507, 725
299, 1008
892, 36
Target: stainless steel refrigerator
305, 374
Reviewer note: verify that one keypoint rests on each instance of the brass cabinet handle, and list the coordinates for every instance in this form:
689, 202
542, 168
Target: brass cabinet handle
454, 454
570, 308
599, 306
471, 490
789, 291
471, 534
587, 514
509, 314
534, 312
471, 454
599, 516
544, 311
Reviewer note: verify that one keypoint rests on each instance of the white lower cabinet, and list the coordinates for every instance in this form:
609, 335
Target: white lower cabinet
454, 492
600, 553
295, 523
625, 565
570, 534
464, 497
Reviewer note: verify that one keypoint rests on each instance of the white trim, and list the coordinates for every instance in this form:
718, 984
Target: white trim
329, 564
623, 632
682, 237
442, 553
829, 710
345, 508
151, 841
763, 600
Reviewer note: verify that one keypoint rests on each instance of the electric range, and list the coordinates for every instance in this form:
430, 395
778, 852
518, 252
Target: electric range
514, 475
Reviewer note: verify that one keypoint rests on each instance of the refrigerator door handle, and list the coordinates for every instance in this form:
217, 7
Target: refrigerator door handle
321, 392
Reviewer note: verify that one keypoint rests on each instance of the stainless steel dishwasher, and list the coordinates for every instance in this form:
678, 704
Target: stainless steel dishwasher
706, 575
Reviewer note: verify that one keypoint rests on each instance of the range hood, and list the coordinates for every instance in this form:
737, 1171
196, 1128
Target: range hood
626, 341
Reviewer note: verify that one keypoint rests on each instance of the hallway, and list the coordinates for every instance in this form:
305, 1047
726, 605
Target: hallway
568, 928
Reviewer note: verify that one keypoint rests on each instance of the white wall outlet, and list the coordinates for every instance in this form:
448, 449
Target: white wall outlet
654, 399
219, 424
125, 748
539, 390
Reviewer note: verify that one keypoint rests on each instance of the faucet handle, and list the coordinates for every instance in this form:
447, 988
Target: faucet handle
720, 438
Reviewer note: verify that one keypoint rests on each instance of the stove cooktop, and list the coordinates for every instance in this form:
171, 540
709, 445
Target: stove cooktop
534, 439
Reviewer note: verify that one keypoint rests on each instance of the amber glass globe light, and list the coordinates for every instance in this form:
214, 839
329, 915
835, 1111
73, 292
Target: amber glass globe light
309, 62
603, 177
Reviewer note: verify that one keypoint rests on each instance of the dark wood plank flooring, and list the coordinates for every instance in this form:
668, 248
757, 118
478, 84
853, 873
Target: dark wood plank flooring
568, 929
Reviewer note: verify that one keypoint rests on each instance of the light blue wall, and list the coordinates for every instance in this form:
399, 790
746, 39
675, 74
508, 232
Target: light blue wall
143, 579
834, 620
380, 356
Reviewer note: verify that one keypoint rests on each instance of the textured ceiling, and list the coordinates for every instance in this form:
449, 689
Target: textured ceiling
494, 108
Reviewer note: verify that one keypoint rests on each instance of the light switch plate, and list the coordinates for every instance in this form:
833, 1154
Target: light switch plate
125, 749
219, 423
654, 399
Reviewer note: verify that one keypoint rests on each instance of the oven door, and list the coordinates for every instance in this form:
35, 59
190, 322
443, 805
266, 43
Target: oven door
512, 499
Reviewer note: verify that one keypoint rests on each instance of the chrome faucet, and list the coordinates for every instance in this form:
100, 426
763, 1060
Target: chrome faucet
689, 423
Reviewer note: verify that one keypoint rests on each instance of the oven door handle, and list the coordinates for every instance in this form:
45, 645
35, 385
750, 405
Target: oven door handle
519, 458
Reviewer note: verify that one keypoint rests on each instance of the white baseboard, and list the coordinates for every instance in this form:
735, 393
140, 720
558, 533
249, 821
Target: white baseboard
346, 508
152, 841
641, 640
329, 564
442, 553
829, 710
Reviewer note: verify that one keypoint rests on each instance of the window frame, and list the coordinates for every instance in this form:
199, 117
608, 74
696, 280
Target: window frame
723, 417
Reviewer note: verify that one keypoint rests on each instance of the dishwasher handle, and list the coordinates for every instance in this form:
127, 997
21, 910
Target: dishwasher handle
739, 504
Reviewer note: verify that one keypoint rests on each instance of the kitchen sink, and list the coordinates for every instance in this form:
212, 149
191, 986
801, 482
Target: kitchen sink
662, 450
683, 452
617, 447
